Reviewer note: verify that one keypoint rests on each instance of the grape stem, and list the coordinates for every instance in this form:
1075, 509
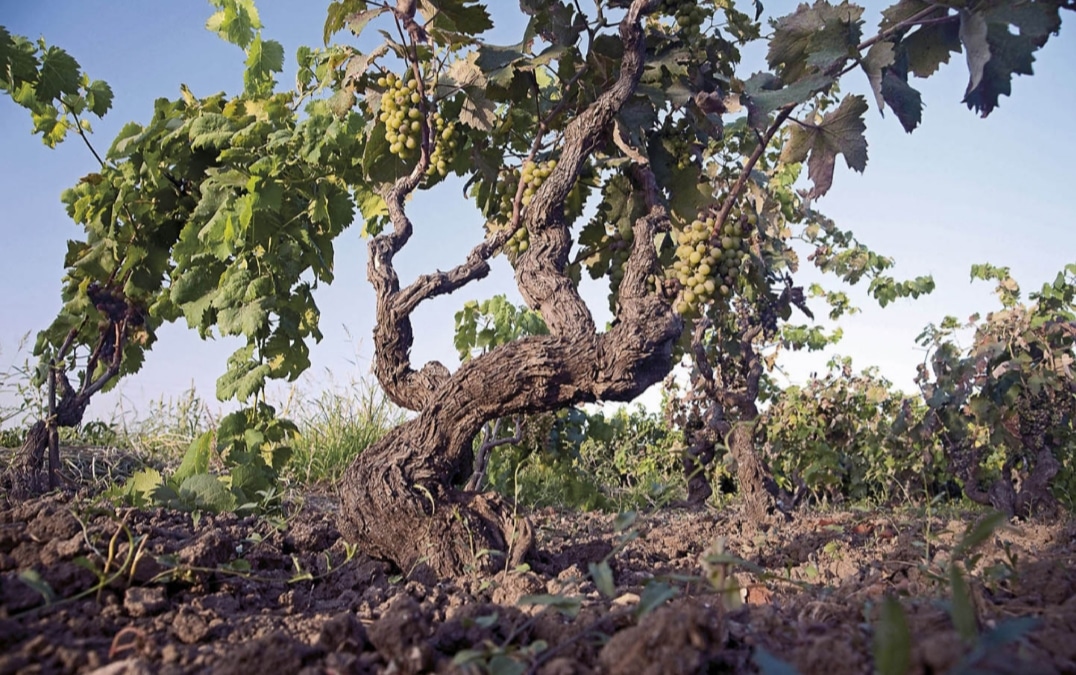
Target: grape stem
741, 181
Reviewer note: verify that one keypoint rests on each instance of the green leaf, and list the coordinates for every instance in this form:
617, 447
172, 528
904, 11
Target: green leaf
243, 379
1013, 34
206, 492
624, 520
59, 75
18, 63
973, 31
764, 95
99, 97
373, 209
337, 14
145, 482
478, 112
906, 102
358, 21
962, 611
814, 38
264, 57
467, 17
126, 141
504, 664
880, 56
196, 459
603, 578
977, 534
930, 46
654, 595
211, 130
235, 22
1006, 632
892, 640
839, 132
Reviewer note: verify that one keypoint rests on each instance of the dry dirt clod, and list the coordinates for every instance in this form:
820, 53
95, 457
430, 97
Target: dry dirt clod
682, 638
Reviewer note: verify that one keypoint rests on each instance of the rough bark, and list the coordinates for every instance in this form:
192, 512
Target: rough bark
399, 496
755, 485
1033, 496
26, 479
400, 500
68, 410
731, 394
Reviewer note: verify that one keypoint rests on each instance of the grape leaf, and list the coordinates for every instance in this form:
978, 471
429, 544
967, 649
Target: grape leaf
235, 21
478, 112
456, 16
337, 15
205, 491
839, 132
210, 130
264, 57
59, 75
880, 56
973, 30
99, 97
902, 11
242, 380
196, 459
1013, 34
905, 101
930, 46
357, 22
814, 38
764, 95
17, 61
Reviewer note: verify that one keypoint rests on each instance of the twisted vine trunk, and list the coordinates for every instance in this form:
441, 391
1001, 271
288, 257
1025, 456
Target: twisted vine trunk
400, 497
755, 485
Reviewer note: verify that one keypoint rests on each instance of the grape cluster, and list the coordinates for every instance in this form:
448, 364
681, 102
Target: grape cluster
533, 175
401, 115
689, 15
444, 147
708, 264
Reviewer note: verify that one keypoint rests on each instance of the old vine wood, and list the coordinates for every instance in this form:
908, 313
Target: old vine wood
626, 141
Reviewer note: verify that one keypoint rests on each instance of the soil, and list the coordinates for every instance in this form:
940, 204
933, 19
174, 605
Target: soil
153, 591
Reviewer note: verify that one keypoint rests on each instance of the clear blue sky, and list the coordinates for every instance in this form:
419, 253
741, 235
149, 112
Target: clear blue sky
958, 191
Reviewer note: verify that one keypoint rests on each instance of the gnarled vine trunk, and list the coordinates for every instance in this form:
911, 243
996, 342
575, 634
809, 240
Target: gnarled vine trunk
400, 496
734, 392
755, 485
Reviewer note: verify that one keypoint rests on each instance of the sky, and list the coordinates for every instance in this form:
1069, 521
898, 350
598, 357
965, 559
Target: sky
960, 190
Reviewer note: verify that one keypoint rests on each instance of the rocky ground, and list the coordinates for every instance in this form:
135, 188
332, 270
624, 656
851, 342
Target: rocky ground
88, 588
